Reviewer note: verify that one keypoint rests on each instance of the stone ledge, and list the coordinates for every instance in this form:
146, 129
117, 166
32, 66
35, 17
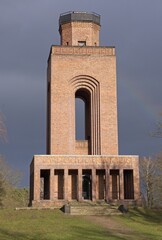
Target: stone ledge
97, 161
88, 50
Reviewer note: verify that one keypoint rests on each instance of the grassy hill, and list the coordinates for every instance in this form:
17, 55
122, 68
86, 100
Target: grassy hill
53, 224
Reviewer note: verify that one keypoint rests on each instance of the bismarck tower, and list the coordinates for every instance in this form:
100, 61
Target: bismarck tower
89, 168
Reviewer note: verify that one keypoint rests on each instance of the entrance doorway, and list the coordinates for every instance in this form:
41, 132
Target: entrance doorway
114, 173
60, 183
74, 183
87, 185
45, 184
101, 183
128, 184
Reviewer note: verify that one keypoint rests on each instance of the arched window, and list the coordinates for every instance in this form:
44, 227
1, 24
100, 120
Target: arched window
82, 115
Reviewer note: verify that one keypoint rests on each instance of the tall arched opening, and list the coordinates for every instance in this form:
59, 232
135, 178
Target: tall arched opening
83, 117
86, 89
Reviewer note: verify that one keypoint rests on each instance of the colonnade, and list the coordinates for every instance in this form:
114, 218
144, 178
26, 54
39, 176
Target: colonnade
83, 184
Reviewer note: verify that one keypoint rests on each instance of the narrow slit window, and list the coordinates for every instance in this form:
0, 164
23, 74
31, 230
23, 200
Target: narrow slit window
81, 43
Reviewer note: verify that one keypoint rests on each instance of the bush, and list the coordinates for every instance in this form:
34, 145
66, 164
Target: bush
10, 195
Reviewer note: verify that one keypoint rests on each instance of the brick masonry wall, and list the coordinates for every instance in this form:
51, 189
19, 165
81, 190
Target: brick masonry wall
67, 63
73, 32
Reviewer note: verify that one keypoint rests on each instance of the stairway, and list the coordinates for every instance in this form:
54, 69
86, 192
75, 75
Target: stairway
90, 208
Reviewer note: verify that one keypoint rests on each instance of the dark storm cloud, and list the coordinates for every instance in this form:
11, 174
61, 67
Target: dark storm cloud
29, 28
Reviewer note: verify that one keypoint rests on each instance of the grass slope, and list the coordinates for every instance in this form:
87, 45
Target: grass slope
145, 224
52, 225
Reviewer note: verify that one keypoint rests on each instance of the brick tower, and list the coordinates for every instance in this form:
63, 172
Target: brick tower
89, 168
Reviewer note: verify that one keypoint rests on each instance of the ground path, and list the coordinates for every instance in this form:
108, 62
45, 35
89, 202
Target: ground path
113, 225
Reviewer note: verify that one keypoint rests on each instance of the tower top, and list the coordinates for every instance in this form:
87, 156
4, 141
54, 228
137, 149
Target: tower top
79, 28
79, 17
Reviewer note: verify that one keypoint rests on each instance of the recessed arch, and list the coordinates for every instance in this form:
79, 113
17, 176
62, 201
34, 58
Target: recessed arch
87, 88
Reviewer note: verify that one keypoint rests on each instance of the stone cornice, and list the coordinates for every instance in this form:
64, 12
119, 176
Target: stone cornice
75, 50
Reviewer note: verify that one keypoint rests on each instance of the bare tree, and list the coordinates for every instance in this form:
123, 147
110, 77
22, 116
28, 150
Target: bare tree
9, 179
157, 132
151, 176
2, 136
3, 131
2, 189
147, 172
8, 175
10, 194
158, 129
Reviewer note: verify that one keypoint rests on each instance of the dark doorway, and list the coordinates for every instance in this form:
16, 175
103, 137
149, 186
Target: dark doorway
128, 184
87, 185
74, 183
45, 184
101, 184
115, 183
60, 187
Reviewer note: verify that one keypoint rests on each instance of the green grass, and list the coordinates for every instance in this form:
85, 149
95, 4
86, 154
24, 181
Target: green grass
52, 225
145, 224
46, 225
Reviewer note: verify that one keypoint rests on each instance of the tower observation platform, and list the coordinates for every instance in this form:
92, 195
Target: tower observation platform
79, 17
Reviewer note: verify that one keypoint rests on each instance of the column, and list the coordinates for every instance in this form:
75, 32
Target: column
136, 183
118, 187
136, 179
110, 186
65, 184
70, 187
93, 184
121, 193
80, 184
52, 184
107, 192
97, 187
55, 186
37, 184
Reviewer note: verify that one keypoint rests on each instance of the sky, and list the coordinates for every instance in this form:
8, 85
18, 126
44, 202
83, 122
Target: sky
28, 28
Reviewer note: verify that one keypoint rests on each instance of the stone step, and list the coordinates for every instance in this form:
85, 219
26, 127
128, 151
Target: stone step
82, 209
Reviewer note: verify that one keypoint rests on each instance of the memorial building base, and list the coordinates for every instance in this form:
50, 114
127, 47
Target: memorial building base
59, 179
